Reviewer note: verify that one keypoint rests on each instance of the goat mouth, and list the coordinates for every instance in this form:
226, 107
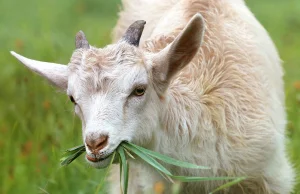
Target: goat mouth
99, 162
94, 159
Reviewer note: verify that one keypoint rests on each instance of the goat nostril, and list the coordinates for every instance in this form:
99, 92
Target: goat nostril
97, 144
102, 142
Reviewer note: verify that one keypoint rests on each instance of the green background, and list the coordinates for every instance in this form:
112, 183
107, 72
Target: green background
37, 122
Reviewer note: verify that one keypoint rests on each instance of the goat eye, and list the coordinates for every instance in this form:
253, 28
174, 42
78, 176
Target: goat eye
72, 99
139, 91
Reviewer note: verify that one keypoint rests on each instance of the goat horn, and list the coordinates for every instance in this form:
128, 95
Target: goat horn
81, 41
134, 32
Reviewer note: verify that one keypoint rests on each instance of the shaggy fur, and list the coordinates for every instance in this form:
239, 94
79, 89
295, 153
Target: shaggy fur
226, 108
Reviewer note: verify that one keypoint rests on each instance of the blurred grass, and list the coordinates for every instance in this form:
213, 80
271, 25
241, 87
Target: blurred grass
37, 122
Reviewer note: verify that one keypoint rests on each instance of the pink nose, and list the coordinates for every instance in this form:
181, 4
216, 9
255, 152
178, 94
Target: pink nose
95, 145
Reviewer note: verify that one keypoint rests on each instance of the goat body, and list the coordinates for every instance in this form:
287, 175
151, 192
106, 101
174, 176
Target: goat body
225, 109
219, 105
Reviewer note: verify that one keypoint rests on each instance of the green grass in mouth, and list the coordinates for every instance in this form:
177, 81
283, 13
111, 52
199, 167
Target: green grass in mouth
126, 149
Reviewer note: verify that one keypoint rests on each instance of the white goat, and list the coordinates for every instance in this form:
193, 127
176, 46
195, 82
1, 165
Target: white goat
220, 106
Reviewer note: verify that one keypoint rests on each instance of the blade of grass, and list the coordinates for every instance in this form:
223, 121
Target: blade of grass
167, 159
176, 188
229, 184
68, 159
121, 169
71, 154
195, 179
126, 175
168, 178
121, 152
151, 161
76, 149
128, 153
105, 175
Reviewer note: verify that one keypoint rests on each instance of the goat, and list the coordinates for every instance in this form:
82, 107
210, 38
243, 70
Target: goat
219, 105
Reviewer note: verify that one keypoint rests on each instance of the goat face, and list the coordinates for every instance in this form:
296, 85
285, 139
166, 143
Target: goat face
117, 90
114, 97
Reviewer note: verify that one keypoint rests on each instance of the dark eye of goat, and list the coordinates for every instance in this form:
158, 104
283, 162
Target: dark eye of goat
72, 99
139, 91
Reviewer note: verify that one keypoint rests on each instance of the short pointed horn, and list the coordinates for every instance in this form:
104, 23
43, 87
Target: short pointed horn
55, 73
81, 41
134, 32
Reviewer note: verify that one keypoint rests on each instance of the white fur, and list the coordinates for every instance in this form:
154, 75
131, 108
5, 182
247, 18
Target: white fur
220, 106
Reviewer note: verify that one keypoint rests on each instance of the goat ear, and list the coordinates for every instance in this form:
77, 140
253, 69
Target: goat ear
57, 74
81, 41
179, 53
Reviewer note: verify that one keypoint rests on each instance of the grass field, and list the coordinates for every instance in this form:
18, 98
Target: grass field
37, 122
